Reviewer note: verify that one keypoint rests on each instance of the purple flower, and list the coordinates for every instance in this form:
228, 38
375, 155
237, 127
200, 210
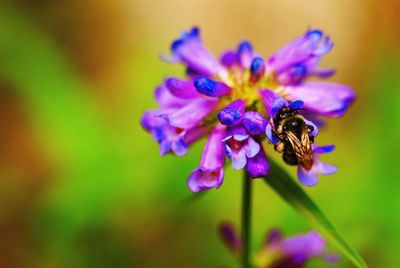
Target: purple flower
232, 114
228, 235
210, 172
170, 138
258, 166
299, 59
189, 50
326, 99
242, 99
239, 146
309, 177
277, 251
291, 252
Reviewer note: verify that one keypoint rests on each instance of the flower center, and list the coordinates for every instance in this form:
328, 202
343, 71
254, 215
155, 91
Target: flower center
235, 144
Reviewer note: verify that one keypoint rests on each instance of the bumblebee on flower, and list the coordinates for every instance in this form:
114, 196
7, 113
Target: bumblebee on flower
243, 98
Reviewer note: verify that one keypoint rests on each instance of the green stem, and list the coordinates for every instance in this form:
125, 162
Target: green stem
246, 221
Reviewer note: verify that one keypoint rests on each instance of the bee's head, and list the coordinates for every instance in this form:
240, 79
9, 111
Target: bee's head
294, 124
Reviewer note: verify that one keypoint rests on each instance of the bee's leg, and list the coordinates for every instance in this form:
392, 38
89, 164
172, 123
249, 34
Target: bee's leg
279, 147
310, 128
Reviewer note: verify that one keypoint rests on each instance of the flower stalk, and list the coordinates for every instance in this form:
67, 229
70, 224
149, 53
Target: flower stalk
246, 220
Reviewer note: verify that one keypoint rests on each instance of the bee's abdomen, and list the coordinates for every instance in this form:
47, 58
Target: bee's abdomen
289, 155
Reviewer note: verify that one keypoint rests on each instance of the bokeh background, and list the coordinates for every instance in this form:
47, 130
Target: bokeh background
82, 185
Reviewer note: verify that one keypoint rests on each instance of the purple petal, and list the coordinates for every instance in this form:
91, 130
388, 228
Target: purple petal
293, 75
254, 122
245, 53
323, 168
239, 159
332, 258
204, 179
272, 101
257, 70
313, 133
229, 58
326, 99
181, 88
274, 236
297, 104
228, 150
214, 152
307, 178
270, 134
189, 50
278, 104
211, 88
232, 114
193, 134
323, 73
230, 238
251, 148
179, 146
165, 99
308, 245
191, 114
258, 165
210, 172
164, 147
324, 149
239, 133
300, 51
151, 119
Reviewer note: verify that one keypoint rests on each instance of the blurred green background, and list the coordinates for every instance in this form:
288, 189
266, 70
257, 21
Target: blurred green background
82, 185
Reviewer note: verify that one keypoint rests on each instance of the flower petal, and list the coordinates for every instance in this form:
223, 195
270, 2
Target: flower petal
245, 54
324, 149
165, 147
214, 152
254, 122
230, 238
192, 113
270, 134
251, 148
151, 119
309, 245
326, 99
179, 146
273, 102
229, 58
189, 50
181, 88
211, 88
203, 179
210, 173
297, 104
257, 70
313, 133
232, 114
258, 165
307, 178
239, 159
273, 236
305, 48
165, 99
239, 133
324, 168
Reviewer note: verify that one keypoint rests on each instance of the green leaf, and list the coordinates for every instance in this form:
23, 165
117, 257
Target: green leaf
289, 190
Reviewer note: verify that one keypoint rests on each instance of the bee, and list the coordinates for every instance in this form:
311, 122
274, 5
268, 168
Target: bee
295, 139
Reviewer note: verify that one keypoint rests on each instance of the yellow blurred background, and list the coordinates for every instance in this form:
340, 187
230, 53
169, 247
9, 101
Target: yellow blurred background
82, 185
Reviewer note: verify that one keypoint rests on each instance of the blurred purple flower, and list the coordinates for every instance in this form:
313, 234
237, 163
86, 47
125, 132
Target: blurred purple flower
280, 252
240, 98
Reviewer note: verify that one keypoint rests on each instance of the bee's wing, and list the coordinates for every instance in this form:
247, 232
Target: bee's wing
301, 147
